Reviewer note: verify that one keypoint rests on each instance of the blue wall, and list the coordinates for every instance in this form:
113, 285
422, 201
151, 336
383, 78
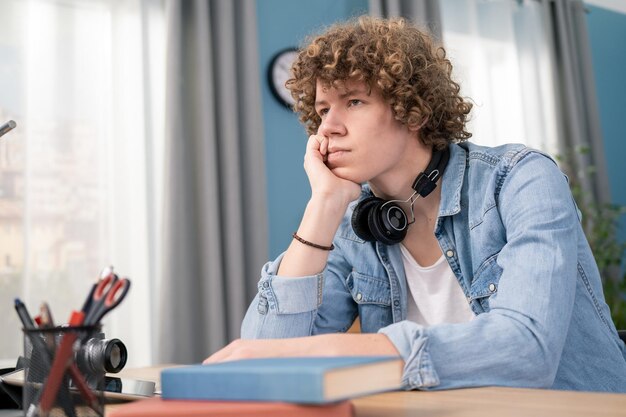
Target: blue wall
607, 34
281, 24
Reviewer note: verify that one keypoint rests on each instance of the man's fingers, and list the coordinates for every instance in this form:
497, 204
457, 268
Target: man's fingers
219, 356
317, 142
324, 147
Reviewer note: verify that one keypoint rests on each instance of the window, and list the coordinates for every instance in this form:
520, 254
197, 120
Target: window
84, 80
499, 50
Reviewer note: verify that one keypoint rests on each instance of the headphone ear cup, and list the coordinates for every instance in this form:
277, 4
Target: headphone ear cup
360, 216
388, 223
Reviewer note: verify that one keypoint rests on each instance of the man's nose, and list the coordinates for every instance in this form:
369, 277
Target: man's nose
332, 125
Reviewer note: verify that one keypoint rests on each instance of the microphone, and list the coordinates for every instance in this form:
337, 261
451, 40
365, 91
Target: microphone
7, 127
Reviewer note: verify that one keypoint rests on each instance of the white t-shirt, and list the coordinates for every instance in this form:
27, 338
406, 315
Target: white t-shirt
434, 295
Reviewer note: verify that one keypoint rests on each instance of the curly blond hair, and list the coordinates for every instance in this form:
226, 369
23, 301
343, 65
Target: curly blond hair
413, 74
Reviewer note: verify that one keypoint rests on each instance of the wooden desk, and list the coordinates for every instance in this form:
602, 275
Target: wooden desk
491, 401
472, 402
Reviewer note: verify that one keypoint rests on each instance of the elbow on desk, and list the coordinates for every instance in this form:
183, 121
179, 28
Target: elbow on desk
539, 375
535, 365
495, 350
533, 350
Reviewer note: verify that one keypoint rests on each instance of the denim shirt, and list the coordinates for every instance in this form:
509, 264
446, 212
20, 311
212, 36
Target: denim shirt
511, 233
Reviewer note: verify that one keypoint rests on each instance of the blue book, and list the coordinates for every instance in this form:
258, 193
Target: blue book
309, 380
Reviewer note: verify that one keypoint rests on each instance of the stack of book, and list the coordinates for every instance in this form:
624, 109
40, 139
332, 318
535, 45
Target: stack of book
308, 387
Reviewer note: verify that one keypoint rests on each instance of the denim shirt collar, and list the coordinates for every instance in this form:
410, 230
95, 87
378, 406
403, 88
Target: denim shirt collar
452, 181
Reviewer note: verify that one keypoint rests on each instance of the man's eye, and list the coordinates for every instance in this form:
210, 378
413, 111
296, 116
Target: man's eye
322, 112
355, 102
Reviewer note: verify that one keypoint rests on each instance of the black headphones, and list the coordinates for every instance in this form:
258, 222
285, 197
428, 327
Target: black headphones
375, 219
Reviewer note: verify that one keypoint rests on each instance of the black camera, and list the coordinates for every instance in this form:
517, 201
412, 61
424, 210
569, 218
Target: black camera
99, 355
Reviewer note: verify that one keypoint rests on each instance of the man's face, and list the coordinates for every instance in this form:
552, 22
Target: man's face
365, 141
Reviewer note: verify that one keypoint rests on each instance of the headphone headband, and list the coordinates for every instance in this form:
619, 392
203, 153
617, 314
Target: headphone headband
426, 181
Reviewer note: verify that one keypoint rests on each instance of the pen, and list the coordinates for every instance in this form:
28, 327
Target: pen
46, 315
7, 127
44, 321
22, 312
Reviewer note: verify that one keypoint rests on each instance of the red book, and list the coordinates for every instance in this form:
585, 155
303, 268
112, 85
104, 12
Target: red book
157, 407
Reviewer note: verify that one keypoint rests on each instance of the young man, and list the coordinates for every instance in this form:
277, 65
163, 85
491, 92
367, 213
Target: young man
484, 279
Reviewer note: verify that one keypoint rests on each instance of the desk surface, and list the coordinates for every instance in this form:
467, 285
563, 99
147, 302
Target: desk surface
471, 402
491, 401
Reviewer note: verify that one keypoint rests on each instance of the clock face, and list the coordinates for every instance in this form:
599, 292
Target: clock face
279, 72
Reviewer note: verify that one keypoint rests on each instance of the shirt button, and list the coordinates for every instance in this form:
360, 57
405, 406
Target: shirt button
359, 296
492, 287
396, 303
449, 253
266, 284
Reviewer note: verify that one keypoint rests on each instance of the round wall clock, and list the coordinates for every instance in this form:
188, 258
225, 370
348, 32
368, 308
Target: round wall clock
279, 71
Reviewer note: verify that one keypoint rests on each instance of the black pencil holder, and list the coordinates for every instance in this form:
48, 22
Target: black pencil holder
56, 382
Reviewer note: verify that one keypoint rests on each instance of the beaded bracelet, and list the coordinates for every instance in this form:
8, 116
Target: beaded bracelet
311, 244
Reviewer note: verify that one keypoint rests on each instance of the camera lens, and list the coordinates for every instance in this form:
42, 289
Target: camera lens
115, 355
102, 355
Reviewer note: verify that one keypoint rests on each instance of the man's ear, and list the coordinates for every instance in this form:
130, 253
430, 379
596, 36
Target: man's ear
415, 127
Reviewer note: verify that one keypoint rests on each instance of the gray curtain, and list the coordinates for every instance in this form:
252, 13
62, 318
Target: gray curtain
579, 120
424, 13
215, 212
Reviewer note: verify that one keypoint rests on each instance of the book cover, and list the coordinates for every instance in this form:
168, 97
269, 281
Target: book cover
309, 380
157, 407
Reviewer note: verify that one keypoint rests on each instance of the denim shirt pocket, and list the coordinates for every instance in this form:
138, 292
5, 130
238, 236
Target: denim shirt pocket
485, 282
373, 298
366, 289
